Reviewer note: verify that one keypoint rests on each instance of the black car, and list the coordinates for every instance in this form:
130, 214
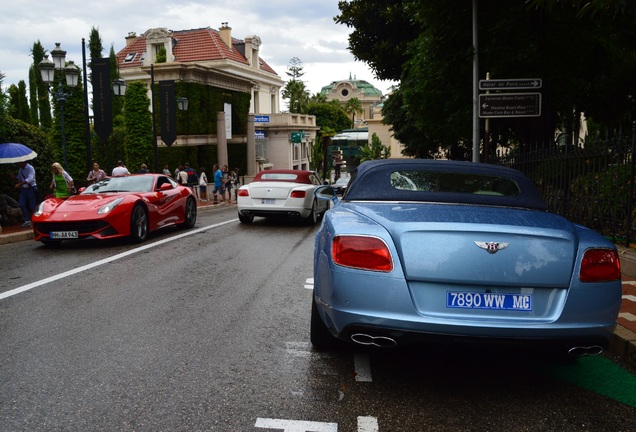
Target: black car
340, 185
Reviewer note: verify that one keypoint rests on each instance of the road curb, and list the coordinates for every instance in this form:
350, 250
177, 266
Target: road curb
16, 237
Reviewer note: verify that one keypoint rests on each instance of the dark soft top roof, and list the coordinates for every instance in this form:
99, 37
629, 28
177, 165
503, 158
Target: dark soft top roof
372, 181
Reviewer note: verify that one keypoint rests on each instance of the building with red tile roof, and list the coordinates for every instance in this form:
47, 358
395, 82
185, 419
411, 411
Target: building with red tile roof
215, 58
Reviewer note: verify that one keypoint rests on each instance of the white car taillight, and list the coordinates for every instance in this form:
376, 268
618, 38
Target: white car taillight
362, 252
600, 265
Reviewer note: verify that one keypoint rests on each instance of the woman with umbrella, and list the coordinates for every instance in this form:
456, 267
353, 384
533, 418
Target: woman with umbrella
20, 154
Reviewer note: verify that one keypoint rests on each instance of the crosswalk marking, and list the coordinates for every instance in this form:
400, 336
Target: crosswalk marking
630, 282
629, 297
627, 316
309, 283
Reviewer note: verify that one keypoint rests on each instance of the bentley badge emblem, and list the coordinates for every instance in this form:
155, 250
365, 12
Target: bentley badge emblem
491, 247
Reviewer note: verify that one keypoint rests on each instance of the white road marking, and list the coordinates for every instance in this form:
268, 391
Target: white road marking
303, 349
629, 297
629, 282
90, 266
367, 424
362, 367
295, 425
627, 316
309, 283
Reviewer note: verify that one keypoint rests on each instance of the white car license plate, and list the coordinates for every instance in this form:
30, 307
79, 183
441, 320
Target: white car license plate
491, 301
268, 201
64, 235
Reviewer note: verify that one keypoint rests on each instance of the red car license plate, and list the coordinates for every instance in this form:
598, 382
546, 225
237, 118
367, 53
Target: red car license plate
57, 235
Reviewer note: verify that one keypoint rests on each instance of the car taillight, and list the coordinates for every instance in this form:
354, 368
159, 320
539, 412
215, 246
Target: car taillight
362, 252
243, 192
298, 194
600, 265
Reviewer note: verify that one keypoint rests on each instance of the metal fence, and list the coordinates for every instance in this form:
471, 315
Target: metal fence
591, 183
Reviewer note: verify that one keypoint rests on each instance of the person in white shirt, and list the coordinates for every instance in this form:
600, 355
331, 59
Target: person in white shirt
120, 169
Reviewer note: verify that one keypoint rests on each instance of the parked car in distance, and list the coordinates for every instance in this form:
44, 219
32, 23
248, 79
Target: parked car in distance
428, 249
128, 206
340, 185
281, 193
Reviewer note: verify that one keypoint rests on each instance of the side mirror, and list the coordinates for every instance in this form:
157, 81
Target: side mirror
165, 187
326, 193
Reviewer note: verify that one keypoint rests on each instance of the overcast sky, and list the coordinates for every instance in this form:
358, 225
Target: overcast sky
287, 28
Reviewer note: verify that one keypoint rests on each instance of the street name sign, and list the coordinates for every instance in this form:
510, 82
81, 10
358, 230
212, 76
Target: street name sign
509, 105
261, 119
511, 84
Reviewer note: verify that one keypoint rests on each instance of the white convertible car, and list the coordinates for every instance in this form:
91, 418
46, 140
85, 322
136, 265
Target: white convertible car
281, 192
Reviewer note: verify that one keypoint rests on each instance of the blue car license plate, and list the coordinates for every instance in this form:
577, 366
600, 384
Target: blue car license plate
491, 301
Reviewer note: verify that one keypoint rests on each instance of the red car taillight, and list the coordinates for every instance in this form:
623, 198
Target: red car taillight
243, 192
298, 194
600, 265
361, 252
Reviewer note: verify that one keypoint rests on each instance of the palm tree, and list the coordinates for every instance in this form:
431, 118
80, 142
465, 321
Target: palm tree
353, 107
298, 96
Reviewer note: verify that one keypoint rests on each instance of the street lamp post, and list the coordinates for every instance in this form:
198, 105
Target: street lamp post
47, 69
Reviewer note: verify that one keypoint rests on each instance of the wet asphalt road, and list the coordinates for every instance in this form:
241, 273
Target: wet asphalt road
207, 330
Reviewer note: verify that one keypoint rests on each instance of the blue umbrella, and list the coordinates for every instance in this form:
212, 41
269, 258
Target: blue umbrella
13, 152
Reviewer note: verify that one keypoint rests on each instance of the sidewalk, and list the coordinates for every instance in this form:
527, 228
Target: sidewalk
623, 343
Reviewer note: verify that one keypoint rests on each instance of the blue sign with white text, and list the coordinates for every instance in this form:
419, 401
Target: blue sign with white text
261, 119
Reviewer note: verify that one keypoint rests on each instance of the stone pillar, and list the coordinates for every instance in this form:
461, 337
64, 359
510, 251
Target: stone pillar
251, 146
221, 139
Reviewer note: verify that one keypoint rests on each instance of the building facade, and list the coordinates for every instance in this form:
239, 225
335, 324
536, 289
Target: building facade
215, 58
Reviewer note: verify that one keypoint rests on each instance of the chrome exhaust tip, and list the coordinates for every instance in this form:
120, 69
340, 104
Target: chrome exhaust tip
369, 340
585, 351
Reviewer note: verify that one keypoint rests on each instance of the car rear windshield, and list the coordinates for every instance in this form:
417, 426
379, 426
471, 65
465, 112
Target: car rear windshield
279, 176
444, 182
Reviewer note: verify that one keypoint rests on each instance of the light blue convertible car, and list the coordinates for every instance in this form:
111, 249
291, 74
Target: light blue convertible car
421, 249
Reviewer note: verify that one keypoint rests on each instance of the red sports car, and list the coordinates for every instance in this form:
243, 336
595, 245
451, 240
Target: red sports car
116, 207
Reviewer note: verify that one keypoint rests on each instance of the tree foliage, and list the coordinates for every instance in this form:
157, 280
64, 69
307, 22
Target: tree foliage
43, 99
298, 96
74, 128
139, 141
295, 68
374, 150
583, 52
352, 107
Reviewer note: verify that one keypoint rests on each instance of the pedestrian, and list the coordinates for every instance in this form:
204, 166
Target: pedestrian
234, 180
166, 171
96, 174
10, 213
227, 187
193, 178
218, 182
62, 183
177, 170
28, 190
120, 169
203, 184
183, 178
143, 169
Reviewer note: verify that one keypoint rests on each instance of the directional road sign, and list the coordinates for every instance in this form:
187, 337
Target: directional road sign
511, 84
509, 105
